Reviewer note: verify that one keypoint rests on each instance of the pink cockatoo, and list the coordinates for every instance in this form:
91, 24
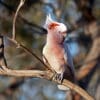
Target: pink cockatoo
56, 52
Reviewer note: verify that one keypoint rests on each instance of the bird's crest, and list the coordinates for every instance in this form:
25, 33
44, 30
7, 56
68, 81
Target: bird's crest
50, 23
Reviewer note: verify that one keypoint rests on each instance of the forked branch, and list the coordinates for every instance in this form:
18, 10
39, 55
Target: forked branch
34, 73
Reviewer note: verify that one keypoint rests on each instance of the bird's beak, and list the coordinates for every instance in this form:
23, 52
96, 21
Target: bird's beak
64, 33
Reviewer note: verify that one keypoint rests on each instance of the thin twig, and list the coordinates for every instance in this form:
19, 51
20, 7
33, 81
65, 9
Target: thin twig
31, 24
33, 54
14, 36
19, 45
14, 20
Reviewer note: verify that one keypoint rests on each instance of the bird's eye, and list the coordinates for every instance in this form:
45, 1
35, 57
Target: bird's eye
64, 32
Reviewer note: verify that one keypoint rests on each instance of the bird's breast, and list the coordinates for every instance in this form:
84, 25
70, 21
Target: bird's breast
55, 57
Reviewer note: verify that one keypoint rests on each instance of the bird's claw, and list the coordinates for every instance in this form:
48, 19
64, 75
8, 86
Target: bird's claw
58, 77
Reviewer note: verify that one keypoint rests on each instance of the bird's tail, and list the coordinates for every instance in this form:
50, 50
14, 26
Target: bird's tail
62, 87
69, 75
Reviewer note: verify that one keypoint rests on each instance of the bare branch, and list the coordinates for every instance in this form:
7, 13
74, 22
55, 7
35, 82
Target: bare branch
2, 58
19, 45
46, 75
93, 53
40, 74
36, 73
14, 20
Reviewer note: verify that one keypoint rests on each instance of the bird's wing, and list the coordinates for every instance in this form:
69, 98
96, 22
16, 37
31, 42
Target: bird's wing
68, 58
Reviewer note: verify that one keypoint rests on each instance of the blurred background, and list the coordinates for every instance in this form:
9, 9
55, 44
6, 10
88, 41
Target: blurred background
82, 18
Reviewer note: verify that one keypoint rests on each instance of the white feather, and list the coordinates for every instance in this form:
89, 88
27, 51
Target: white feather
61, 27
49, 20
62, 87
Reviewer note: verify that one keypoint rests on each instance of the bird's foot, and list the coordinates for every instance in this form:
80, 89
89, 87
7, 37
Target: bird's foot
58, 77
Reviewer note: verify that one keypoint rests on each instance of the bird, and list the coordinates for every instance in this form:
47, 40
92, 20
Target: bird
56, 52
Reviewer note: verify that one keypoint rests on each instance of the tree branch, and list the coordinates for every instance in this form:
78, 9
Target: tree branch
19, 45
46, 75
94, 53
37, 28
2, 57
36, 73
14, 20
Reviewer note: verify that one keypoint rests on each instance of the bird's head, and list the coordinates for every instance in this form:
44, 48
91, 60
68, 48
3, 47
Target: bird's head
54, 27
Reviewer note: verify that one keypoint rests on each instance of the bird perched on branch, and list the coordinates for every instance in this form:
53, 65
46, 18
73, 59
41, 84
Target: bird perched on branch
56, 52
